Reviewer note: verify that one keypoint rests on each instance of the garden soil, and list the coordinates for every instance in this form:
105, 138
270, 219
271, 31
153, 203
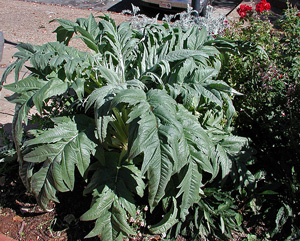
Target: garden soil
20, 218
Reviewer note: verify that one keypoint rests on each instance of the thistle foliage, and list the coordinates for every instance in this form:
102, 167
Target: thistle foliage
142, 117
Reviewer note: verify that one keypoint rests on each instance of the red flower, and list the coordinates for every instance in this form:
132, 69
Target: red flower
298, 14
263, 6
243, 9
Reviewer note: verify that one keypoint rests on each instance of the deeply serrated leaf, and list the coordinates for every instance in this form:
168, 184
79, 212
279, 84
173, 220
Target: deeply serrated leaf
224, 161
167, 222
29, 83
52, 88
66, 146
189, 188
103, 227
100, 207
119, 219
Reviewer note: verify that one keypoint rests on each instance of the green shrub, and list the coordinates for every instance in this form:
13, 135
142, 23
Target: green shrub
144, 120
268, 112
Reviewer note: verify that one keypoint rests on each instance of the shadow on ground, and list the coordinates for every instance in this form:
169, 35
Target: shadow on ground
119, 5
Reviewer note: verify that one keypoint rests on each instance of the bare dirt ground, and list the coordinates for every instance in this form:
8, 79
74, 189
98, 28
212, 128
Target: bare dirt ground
29, 22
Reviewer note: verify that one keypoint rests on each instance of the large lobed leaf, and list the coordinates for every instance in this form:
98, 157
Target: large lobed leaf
60, 149
114, 187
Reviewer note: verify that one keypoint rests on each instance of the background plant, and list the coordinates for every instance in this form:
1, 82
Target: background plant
142, 118
7, 152
268, 112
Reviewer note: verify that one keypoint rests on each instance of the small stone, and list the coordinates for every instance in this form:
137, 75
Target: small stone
2, 181
49, 12
17, 219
